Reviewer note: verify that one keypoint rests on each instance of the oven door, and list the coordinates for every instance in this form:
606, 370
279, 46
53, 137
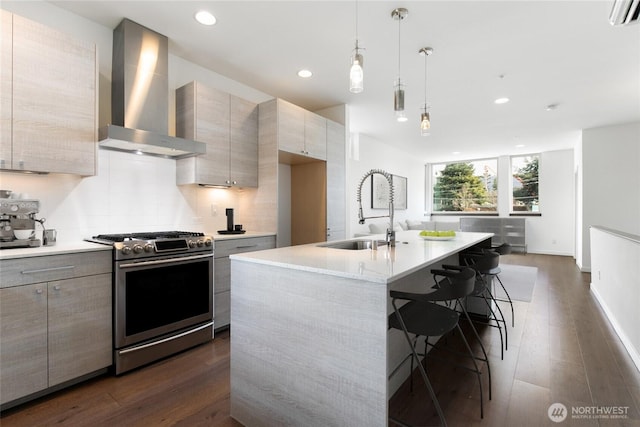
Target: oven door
160, 296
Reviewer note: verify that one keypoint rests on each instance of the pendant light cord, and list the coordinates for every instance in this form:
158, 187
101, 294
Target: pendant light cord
399, 44
425, 82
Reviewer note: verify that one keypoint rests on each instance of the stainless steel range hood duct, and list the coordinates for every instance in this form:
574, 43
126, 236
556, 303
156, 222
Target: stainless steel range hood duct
140, 95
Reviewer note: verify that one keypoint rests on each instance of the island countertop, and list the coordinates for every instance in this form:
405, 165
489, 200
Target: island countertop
383, 265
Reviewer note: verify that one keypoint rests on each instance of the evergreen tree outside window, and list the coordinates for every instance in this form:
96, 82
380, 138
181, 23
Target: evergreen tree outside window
525, 197
466, 187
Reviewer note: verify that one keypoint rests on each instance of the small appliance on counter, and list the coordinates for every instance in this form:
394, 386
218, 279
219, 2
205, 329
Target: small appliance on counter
231, 229
18, 223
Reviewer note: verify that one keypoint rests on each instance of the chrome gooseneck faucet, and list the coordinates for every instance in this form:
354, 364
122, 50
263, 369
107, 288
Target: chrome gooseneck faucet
391, 234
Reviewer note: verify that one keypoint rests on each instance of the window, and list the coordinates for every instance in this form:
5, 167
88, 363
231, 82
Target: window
466, 187
524, 171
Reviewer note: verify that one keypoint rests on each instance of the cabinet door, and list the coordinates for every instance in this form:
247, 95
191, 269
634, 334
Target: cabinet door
6, 44
212, 128
23, 341
222, 286
315, 136
54, 100
290, 128
243, 170
336, 181
79, 327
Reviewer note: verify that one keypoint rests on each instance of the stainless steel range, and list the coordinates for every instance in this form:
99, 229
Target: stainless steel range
163, 294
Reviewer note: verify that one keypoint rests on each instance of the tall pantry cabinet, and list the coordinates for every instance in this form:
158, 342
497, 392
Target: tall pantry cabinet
48, 111
307, 150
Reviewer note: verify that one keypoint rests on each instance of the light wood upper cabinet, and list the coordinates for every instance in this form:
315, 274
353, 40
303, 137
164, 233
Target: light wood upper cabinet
229, 127
6, 52
54, 101
290, 127
300, 132
315, 135
243, 143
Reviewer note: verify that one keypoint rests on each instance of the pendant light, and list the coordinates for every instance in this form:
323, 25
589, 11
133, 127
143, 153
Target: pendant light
398, 93
356, 74
425, 119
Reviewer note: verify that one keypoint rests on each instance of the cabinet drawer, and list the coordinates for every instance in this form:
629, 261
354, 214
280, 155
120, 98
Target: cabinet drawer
224, 248
22, 271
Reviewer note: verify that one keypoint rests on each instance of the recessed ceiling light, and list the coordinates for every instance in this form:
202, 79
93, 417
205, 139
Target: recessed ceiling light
501, 100
205, 18
455, 153
305, 74
519, 145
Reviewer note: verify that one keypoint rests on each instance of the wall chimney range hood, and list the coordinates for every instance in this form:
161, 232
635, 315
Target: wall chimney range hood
140, 95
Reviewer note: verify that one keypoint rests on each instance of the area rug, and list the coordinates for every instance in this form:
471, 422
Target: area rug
519, 281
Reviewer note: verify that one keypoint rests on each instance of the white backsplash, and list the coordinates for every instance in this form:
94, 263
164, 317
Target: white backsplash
129, 193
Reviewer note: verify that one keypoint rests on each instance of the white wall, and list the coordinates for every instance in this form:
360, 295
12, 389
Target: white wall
610, 181
615, 282
366, 153
553, 231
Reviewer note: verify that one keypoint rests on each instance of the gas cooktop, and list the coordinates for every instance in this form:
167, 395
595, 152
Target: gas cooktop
150, 235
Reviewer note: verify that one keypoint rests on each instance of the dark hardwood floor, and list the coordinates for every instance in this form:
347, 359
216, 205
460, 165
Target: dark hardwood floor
562, 349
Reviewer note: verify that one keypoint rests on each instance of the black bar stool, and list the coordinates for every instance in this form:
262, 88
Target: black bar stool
422, 317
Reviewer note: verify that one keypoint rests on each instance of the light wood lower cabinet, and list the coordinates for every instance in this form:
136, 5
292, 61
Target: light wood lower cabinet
53, 331
23, 341
222, 271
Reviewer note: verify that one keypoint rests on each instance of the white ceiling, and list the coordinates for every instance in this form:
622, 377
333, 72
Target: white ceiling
550, 52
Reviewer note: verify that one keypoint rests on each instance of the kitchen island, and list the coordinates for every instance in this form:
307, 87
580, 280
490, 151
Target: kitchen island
310, 344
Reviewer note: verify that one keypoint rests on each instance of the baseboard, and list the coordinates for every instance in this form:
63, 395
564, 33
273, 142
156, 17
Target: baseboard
616, 326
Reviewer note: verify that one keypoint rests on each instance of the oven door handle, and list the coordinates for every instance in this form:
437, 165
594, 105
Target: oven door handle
165, 261
151, 344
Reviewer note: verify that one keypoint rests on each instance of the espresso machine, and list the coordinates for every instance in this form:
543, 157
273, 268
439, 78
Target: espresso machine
18, 223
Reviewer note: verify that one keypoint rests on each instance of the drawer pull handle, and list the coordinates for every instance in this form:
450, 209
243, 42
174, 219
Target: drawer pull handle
246, 246
45, 270
38, 291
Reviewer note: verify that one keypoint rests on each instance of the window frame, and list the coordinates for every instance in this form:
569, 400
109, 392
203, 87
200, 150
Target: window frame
433, 181
513, 212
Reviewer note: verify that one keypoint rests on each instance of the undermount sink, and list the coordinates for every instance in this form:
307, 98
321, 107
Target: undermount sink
352, 245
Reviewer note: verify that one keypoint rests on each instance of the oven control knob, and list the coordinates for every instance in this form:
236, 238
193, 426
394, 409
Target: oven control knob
137, 249
200, 243
207, 242
126, 250
148, 247
192, 244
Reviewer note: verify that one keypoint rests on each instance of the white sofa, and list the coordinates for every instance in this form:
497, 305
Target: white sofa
381, 227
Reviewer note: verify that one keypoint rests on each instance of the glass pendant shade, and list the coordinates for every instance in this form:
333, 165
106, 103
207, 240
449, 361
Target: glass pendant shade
425, 124
356, 74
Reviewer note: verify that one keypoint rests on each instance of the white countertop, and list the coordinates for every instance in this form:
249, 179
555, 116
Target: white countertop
82, 246
383, 265
57, 249
248, 234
